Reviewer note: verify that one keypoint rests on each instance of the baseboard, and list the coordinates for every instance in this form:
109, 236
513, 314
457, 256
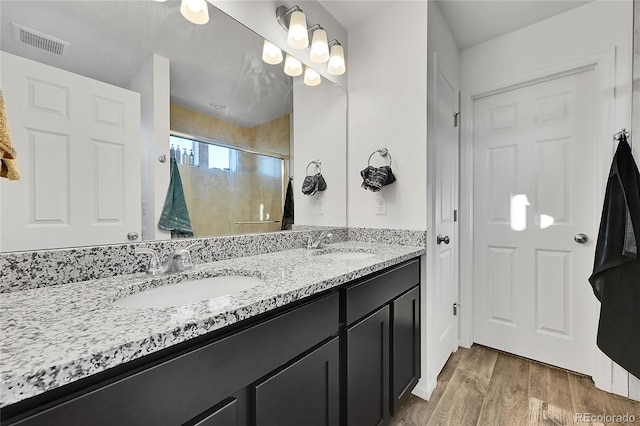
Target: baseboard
424, 390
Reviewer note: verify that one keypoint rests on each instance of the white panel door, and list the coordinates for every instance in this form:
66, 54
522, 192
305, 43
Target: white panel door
445, 283
534, 190
78, 144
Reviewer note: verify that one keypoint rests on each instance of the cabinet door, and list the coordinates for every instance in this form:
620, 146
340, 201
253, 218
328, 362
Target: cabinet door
405, 344
305, 393
226, 415
368, 370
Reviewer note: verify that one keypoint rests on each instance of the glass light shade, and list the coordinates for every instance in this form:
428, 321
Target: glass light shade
292, 66
195, 11
336, 61
298, 38
319, 47
311, 77
271, 53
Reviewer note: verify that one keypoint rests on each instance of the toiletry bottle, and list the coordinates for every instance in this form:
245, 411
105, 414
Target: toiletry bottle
192, 158
185, 160
172, 152
178, 155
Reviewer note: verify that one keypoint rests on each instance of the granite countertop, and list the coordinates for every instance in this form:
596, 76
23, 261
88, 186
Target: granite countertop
55, 335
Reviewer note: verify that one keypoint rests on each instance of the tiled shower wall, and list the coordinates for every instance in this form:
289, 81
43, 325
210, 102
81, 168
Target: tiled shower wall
251, 190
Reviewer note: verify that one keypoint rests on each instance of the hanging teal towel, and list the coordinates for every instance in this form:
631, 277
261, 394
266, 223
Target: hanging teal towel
175, 215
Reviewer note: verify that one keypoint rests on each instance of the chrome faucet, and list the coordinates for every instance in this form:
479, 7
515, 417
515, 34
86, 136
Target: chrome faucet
179, 261
324, 237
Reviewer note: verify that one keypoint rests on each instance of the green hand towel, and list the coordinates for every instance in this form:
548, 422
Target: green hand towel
175, 215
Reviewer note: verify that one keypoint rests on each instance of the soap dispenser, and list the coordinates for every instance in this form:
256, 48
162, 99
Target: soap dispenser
178, 155
192, 158
185, 160
172, 152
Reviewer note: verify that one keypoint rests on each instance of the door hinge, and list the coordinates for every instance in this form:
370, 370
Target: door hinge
455, 215
455, 308
456, 116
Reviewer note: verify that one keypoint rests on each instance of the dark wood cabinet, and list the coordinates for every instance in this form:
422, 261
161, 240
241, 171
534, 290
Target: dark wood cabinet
304, 393
405, 345
367, 343
345, 357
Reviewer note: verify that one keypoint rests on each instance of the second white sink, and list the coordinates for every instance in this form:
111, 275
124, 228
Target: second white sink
191, 291
345, 255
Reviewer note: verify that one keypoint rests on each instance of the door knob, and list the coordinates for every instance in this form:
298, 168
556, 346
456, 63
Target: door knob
581, 238
442, 239
132, 236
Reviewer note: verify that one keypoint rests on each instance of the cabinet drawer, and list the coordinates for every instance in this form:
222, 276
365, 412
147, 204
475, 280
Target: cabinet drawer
182, 387
369, 295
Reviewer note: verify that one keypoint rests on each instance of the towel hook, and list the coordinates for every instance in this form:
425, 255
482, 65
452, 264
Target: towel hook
384, 153
162, 158
618, 136
317, 163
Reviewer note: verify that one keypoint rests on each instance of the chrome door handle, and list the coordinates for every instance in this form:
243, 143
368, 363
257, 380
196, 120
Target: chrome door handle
581, 238
442, 239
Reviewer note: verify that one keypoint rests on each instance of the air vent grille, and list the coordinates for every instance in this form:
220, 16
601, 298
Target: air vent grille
38, 40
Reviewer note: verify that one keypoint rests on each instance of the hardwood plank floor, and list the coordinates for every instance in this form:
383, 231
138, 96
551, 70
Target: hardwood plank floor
481, 386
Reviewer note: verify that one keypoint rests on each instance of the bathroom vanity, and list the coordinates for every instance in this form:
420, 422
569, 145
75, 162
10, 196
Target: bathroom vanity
326, 340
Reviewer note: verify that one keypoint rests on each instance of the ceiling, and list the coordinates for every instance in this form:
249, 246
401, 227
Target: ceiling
471, 21
214, 64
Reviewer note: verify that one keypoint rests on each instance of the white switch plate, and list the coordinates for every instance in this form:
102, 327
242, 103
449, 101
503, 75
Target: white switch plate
381, 205
319, 207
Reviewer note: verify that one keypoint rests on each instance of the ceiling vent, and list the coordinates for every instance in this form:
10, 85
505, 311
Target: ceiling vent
41, 41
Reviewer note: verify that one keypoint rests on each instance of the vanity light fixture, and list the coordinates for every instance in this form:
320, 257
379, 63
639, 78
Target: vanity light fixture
319, 46
336, 64
292, 66
271, 53
294, 22
311, 77
195, 11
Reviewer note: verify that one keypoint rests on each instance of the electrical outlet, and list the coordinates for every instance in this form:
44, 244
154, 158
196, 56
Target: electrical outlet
320, 207
381, 205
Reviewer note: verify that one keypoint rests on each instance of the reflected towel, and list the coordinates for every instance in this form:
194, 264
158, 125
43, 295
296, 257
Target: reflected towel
175, 215
374, 178
8, 164
287, 212
314, 183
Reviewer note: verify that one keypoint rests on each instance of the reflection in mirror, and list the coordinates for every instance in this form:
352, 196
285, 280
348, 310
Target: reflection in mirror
133, 73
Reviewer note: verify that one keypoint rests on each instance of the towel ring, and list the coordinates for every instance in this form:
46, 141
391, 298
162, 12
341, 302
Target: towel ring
317, 163
384, 153
619, 135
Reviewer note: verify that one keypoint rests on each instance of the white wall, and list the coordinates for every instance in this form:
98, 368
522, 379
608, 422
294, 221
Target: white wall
597, 27
260, 16
152, 82
320, 132
388, 108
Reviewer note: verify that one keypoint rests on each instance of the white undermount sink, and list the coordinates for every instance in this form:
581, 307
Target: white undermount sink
345, 255
191, 291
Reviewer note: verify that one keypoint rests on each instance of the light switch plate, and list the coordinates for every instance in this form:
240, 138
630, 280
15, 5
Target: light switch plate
381, 205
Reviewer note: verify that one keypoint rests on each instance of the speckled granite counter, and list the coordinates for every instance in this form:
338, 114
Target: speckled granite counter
55, 335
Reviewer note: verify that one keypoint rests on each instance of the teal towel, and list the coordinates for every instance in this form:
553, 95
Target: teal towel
175, 215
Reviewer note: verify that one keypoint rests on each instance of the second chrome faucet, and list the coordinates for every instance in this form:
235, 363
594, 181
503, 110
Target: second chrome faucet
318, 243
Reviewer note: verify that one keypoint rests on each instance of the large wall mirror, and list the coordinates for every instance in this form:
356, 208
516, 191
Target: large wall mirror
97, 94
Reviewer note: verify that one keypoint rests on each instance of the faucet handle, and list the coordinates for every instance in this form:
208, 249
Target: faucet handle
154, 267
196, 245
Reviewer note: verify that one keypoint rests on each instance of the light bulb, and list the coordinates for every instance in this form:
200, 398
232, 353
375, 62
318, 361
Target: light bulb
195, 11
319, 47
311, 77
271, 53
292, 66
336, 64
298, 38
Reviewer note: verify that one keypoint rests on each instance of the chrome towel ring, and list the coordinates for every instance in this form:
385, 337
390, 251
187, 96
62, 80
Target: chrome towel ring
318, 165
384, 153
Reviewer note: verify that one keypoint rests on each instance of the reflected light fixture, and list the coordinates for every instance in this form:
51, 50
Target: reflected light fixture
271, 53
195, 11
294, 22
292, 66
336, 64
319, 46
311, 77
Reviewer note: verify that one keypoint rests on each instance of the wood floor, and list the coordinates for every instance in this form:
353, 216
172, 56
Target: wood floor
481, 386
